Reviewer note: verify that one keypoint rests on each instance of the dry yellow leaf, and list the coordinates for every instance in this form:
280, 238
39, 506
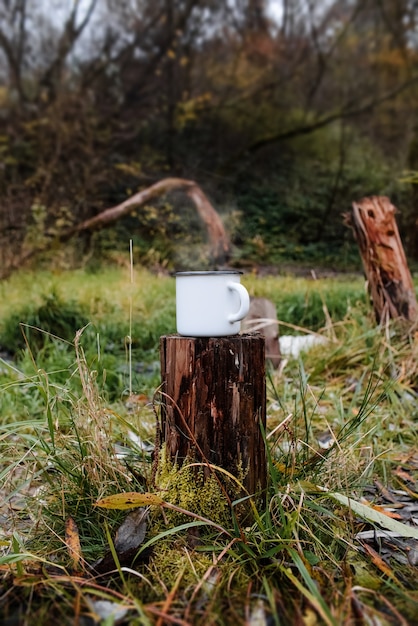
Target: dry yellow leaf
379, 562
72, 541
130, 500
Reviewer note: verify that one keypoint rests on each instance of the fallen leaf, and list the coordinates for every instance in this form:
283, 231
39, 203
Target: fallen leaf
129, 536
258, 614
109, 612
404, 475
381, 508
379, 562
410, 492
310, 618
129, 500
131, 533
385, 492
72, 541
369, 514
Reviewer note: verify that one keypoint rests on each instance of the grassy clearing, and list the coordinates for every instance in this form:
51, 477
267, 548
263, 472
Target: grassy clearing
341, 436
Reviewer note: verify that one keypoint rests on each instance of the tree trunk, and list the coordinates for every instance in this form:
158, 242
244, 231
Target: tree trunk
389, 279
214, 403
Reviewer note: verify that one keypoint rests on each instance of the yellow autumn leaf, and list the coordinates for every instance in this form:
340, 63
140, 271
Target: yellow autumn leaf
129, 500
381, 509
310, 617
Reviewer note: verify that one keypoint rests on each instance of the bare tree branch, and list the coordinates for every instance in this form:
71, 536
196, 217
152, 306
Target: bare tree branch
345, 112
13, 48
69, 37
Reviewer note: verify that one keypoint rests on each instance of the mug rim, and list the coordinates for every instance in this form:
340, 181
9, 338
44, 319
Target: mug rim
207, 273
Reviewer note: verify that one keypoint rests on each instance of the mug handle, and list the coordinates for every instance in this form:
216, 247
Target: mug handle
244, 302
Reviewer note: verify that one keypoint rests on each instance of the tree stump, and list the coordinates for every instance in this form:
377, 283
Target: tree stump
389, 280
214, 403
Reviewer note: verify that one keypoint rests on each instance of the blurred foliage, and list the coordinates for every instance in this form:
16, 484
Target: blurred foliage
282, 122
34, 326
296, 214
119, 346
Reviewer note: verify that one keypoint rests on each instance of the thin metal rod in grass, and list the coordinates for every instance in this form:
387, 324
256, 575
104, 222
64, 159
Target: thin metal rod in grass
128, 339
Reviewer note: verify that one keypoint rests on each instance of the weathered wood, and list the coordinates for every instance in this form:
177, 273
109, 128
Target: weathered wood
389, 280
262, 317
218, 237
214, 402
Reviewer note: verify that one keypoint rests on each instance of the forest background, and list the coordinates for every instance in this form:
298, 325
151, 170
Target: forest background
282, 111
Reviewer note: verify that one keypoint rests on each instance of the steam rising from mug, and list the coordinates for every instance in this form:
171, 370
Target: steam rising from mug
210, 304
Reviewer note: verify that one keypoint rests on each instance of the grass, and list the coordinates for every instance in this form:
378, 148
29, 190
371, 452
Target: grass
120, 312
71, 432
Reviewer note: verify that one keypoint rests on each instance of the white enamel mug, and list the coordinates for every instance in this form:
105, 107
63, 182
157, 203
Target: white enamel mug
210, 304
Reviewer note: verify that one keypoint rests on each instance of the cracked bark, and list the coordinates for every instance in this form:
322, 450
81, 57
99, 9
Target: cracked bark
389, 280
214, 403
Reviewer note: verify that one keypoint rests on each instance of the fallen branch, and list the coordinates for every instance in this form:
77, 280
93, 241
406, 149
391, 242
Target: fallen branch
218, 238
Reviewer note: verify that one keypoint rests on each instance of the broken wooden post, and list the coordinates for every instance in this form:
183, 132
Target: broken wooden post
262, 317
214, 403
389, 280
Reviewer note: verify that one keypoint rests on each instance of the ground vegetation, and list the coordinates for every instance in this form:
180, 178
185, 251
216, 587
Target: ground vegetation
93, 530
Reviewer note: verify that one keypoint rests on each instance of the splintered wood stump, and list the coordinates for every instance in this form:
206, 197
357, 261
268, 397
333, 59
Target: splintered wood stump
389, 280
214, 403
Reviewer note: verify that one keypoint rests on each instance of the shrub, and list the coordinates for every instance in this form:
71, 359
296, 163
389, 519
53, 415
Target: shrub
34, 325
